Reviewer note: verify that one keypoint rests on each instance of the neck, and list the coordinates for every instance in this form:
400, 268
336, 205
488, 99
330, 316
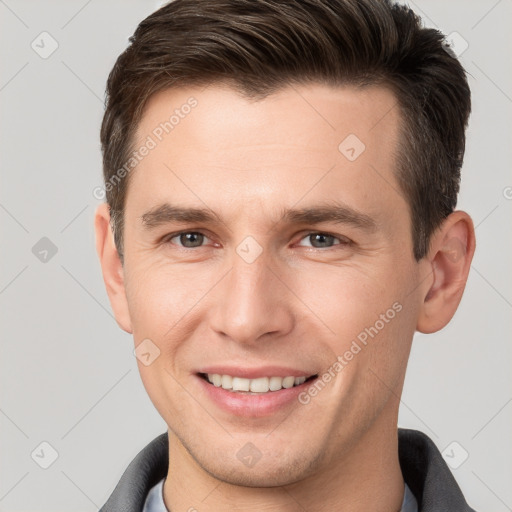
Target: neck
367, 477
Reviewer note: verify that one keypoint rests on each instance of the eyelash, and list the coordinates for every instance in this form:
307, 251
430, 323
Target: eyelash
344, 241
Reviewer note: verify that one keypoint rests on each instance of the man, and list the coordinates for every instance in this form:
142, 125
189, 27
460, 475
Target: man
281, 181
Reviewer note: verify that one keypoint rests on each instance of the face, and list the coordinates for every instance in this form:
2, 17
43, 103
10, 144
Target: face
267, 240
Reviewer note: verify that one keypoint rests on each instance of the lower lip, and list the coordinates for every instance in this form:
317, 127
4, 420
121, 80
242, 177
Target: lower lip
247, 405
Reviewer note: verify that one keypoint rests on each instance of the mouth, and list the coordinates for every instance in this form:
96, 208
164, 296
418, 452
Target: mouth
257, 386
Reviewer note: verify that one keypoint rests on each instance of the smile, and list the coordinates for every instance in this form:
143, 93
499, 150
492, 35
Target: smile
254, 386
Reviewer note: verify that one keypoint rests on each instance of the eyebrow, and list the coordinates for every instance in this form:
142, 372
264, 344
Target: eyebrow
167, 213
333, 212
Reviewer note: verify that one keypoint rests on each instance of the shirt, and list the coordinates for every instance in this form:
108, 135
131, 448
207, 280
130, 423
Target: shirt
155, 500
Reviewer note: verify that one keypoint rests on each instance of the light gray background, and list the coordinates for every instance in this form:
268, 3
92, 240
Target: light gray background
68, 374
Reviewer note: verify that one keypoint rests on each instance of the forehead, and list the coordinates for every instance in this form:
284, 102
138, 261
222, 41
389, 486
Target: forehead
309, 113
214, 144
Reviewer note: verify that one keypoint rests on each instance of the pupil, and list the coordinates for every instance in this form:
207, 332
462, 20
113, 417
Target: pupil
191, 239
323, 239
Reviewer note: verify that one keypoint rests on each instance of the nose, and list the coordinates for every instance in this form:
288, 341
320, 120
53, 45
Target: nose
252, 303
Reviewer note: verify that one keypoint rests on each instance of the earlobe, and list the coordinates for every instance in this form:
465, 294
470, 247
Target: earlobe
450, 255
111, 266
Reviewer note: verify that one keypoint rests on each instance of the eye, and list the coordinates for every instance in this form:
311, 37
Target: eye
324, 240
195, 239
188, 239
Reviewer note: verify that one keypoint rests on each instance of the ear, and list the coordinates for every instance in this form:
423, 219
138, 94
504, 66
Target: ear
111, 266
451, 250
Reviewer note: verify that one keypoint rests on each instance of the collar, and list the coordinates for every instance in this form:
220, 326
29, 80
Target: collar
423, 468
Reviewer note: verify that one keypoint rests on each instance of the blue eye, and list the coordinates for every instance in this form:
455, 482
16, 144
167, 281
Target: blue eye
318, 240
189, 239
324, 240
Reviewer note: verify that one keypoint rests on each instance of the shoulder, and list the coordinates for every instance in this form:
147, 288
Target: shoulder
427, 474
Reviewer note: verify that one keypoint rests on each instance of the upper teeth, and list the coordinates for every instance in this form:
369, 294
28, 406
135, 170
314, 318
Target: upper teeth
260, 385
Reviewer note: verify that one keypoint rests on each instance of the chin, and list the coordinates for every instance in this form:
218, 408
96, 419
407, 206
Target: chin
268, 471
262, 477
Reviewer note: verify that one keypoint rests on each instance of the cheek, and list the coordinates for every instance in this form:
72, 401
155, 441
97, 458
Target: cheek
168, 305
160, 296
369, 322
346, 300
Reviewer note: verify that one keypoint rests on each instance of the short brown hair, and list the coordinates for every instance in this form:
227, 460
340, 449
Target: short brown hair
260, 46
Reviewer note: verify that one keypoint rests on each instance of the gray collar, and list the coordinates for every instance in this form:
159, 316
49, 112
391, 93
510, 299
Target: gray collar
423, 468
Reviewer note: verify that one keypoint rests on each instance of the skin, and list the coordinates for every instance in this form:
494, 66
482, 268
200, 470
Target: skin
299, 304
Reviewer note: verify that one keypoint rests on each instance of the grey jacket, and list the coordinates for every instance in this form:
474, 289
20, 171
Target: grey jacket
423, 468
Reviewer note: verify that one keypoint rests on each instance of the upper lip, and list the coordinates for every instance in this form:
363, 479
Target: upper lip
255, 373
